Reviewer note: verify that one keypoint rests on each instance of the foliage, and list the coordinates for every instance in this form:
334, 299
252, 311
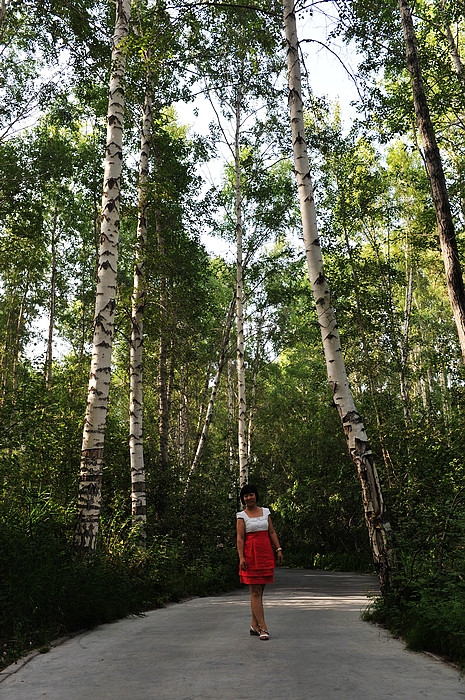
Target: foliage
427, 613
47, 591
378, 236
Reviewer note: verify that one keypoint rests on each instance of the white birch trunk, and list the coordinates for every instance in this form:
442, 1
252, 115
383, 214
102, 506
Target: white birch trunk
183, 429
454, 52
5, 354
231, 431
136, 445
253, 395
89, 496
354, 430
242, 406
455, 56
445, 393
211, 403
13, 342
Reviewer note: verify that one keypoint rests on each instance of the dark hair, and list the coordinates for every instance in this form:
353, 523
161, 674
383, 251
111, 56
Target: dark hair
247, 488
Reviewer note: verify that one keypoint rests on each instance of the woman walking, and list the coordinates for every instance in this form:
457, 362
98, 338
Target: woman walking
256, 538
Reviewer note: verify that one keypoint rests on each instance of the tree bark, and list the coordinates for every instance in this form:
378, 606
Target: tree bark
183, 412
232, 442
359, 449
404, 345
90, 482
240, 360
434, 168
18, 341
136, 445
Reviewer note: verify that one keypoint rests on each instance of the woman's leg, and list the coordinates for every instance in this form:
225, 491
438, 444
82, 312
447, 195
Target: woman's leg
256, 604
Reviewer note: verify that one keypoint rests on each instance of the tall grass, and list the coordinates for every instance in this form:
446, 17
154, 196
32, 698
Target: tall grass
428, 614
47, 591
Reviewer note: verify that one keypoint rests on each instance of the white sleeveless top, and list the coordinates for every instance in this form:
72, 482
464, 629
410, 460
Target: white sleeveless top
259, 524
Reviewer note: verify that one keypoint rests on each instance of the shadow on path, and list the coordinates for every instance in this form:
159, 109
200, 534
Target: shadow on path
319, 648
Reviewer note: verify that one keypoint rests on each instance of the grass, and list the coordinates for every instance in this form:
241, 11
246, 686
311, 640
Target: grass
46, 591
429, 615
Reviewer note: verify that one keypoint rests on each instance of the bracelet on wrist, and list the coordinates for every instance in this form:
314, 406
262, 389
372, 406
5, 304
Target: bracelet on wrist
280, 549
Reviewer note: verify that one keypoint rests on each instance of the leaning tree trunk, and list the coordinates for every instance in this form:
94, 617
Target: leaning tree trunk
136, 445
359, 449
90, 482
433, 162
242, 407
214, 388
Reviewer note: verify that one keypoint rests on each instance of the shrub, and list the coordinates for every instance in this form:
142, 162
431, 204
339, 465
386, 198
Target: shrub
46, 590
428, 615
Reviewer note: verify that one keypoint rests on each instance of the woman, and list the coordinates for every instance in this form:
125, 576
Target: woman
255, 537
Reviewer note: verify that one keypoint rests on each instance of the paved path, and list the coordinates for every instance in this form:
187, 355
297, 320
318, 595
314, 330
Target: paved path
319, 649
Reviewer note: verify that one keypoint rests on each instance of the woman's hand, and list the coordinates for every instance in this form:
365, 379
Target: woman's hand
279, 554
242, 564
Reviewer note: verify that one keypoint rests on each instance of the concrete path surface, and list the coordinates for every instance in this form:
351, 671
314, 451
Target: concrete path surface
318, 649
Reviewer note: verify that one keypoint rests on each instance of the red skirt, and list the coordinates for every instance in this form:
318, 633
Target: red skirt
259, 557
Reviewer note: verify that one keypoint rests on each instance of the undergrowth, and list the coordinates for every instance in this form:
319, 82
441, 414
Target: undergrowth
47, 591
428, 614
308, 558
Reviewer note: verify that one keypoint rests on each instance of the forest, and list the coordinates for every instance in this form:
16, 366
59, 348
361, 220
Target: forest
182, 220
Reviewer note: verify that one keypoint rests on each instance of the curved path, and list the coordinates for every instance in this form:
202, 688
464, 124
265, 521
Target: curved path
319, 649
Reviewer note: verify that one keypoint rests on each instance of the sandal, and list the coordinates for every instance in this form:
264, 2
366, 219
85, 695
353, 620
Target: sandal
254, 632
264, 635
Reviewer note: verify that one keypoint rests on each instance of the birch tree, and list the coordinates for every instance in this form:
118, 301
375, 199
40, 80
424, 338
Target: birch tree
390, 43
154, 42
378, 525
435, 170
237, 99
240, 87
176, 312
136, 446
214, 389
240, 357
90, 481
